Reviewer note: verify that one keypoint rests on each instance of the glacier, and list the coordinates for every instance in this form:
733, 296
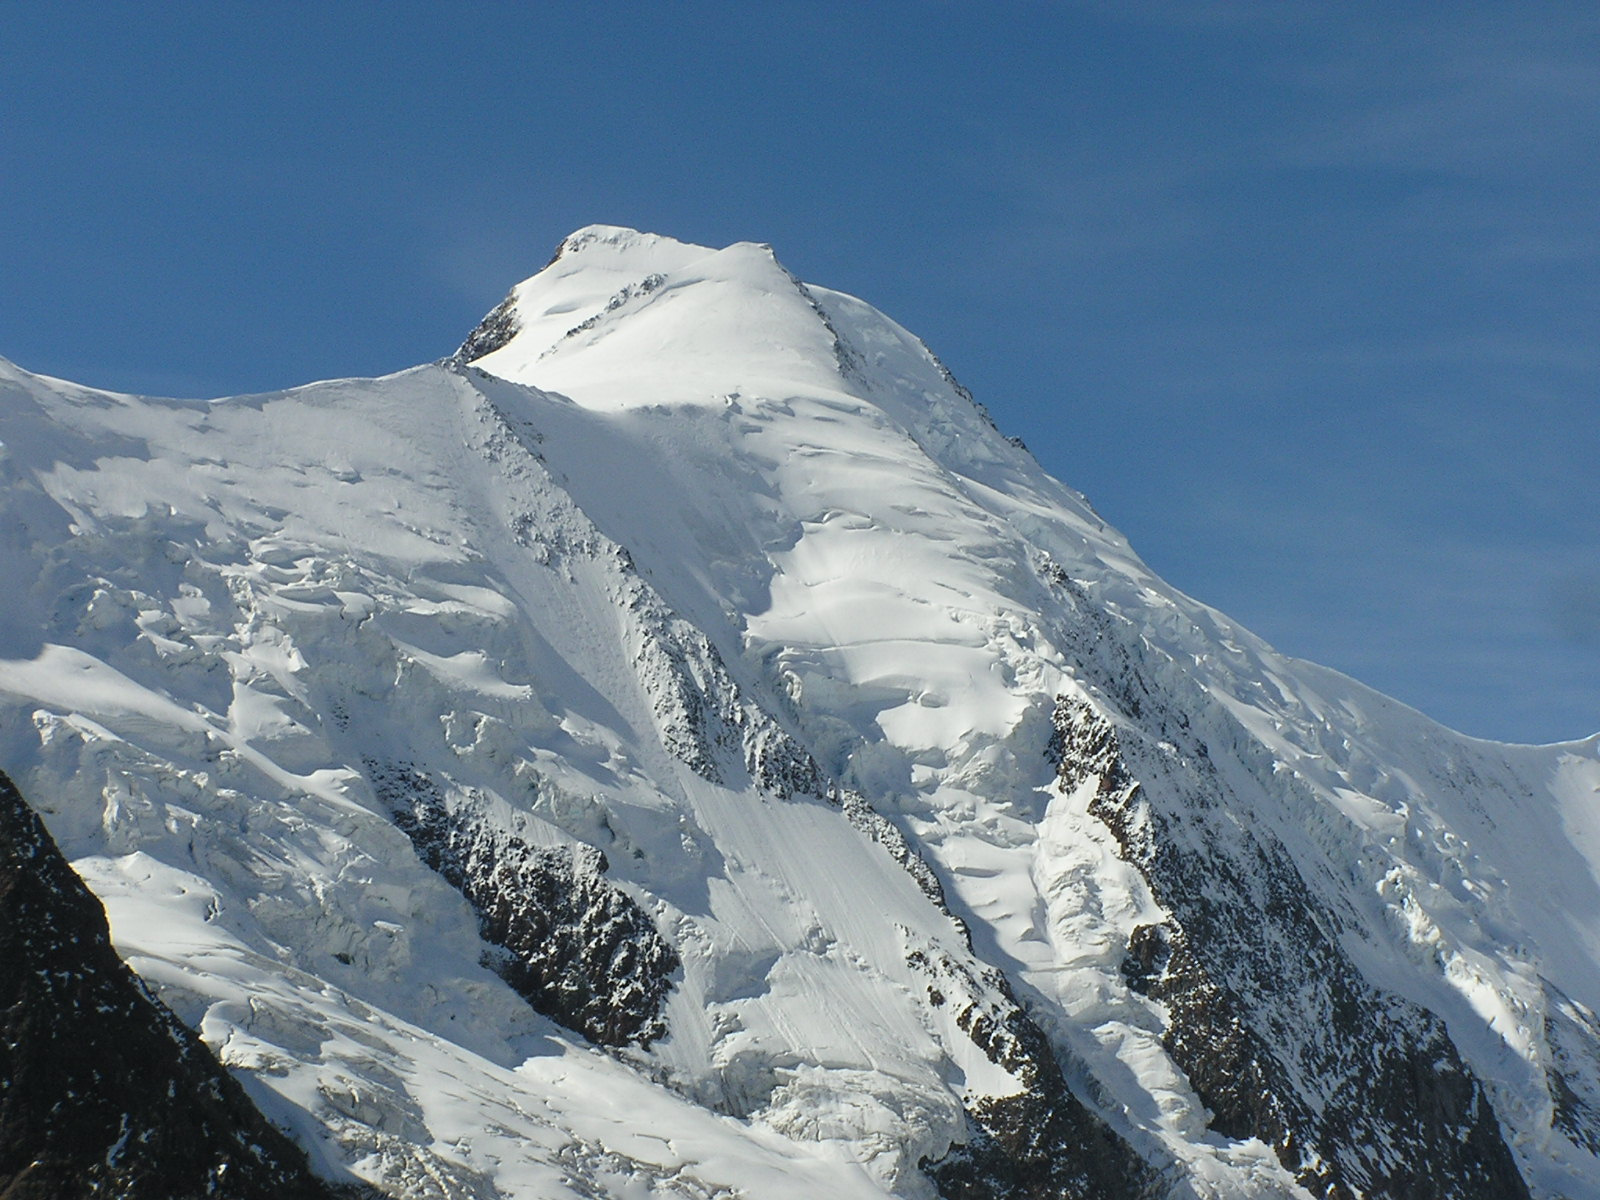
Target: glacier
677, 746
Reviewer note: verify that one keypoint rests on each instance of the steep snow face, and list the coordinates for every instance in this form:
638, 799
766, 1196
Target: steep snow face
341, 706
662, 311
690, 667
920, 594
831, 500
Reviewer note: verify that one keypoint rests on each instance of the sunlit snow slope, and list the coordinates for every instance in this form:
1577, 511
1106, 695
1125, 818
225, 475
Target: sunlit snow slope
678, 747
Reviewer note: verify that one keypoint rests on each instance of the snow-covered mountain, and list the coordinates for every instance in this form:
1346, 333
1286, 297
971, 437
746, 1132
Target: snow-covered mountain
678, 747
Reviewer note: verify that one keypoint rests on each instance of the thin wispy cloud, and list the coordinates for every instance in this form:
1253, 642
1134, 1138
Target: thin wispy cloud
1485, 94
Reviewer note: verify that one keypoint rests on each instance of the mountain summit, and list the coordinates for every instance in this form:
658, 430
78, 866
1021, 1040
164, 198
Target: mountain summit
678, 747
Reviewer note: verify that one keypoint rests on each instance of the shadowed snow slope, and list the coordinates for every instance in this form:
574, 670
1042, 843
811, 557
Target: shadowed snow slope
678, 747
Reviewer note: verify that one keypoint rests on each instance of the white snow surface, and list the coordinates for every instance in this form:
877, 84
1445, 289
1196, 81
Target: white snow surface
218, 612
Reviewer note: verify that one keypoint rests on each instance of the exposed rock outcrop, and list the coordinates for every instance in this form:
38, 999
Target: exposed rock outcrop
1359, 1091
1040, 1143
571, 943
496, 330
103, 1092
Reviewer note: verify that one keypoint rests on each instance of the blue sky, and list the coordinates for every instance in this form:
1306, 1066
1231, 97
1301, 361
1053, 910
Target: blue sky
1304, 296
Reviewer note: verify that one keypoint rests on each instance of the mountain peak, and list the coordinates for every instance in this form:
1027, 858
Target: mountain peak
617, 239
725, 691
623, 320
615, 302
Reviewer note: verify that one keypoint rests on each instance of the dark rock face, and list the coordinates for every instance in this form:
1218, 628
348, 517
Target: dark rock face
620, 299
1031, 1147
103, 1092
493, 332
1359, 1091
1042, 1143
1228, 1065
1574, 1072
575, 946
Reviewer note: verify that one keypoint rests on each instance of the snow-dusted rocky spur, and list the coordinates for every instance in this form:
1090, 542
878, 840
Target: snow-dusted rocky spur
678, 747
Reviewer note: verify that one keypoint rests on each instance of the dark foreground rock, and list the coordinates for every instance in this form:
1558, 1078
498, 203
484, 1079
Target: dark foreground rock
103, 1092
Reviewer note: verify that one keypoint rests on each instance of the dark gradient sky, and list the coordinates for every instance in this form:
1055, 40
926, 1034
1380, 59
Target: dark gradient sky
1304, 296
